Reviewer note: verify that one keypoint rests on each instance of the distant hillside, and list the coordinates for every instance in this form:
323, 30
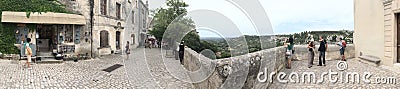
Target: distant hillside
237, 45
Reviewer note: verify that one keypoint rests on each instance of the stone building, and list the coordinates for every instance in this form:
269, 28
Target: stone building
376, 30
97, 27
115, 22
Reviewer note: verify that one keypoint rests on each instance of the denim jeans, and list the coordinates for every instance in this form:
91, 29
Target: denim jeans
322, 54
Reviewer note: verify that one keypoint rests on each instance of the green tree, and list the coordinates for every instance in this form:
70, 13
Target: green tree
164, 16
172, 17
7, 38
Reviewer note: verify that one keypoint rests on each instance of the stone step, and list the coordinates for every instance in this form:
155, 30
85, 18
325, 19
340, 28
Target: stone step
49, 60
371, 59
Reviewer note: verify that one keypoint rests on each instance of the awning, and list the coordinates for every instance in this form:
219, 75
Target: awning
43, 18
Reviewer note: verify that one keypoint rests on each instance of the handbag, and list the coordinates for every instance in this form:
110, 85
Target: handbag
288, 53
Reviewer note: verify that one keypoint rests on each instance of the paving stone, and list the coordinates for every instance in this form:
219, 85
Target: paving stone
89, 74
354, 65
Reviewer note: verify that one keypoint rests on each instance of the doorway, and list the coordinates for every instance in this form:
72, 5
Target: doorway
47, 36
118, 40
133, 39
47, 40
397, 17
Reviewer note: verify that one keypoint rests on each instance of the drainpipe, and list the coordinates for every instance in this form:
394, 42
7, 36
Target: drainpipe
140, 24
91, 3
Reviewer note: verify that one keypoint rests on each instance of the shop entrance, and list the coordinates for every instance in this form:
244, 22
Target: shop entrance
47, 40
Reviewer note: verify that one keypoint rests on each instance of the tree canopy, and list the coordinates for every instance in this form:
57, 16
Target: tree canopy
32, 6
164, 16
173, 17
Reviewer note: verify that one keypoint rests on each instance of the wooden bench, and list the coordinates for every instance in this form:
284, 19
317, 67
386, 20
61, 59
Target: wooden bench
369, 58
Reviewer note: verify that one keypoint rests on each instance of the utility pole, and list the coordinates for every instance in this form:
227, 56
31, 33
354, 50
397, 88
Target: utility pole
140, 24
91, 2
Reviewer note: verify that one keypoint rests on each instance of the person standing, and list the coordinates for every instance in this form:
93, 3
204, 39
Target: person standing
289, 52
181, 51
323, 46
28, 52
127, 50
311, 53
342, 44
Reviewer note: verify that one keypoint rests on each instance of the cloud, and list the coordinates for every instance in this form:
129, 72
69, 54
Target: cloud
286, 16
289, 16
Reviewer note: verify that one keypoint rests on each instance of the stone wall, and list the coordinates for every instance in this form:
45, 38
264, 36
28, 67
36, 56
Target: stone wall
242, 71
301, 52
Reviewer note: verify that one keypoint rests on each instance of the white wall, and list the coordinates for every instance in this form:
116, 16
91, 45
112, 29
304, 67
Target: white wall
369, 27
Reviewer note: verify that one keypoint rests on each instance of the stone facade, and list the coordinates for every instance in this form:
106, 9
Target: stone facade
376, 29
131, 24
241, 71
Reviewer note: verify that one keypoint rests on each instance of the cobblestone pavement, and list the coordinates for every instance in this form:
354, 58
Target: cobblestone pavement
138, 72
149, 71
145, 69
354, 66
82, 74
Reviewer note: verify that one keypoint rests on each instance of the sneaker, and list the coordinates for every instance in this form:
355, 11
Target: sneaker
324, 65
319, 65
30, 68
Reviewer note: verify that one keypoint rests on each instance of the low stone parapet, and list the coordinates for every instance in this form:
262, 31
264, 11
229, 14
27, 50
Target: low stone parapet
243, 71
333, 52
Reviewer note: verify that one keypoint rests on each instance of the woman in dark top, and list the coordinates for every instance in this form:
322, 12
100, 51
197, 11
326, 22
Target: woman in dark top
289, 52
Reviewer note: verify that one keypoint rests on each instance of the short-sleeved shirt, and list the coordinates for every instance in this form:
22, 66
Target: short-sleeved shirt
290, 47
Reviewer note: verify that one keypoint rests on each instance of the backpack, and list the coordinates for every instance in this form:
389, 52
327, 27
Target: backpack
344, 44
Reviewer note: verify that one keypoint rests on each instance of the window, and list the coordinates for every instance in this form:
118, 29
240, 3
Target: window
104, 39
103, 7
69, 34
133, 17
144, 23
118, 10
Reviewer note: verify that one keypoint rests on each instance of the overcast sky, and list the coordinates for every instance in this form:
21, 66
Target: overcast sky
286, 16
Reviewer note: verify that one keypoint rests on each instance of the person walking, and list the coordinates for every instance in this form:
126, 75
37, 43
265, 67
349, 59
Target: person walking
289, 52
127, 50
28, 52
311, 53
323, 46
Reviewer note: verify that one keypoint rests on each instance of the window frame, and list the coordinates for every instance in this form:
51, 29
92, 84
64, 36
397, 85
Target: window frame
103, 7
118, 10
104, 39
